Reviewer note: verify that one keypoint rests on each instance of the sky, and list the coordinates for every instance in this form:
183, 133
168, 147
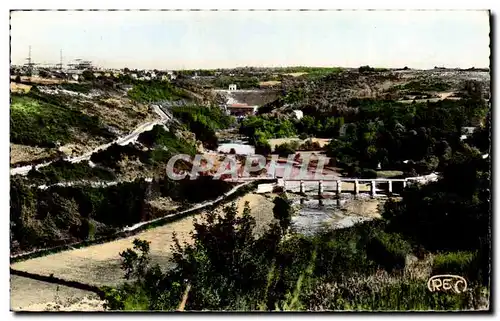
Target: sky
226, 39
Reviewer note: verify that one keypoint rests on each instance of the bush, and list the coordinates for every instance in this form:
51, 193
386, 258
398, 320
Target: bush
286, 149
303, 136
262, 147
62, 171
459, 263
368, 173
203, 122
388, 250
159, 137
309, 145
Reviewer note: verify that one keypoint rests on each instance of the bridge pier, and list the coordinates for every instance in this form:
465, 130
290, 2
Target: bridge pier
339, 188
356, 187
404, 184
390, 187
301, 187
372, 189
284, 185
320, 188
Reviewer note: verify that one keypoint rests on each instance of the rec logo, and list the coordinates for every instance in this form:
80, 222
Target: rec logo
447, 283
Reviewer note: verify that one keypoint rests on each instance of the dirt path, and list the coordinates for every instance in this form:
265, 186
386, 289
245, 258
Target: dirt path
261, 208
32, 295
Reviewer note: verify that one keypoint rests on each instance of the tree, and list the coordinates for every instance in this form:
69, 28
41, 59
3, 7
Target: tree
88, 75
283, 211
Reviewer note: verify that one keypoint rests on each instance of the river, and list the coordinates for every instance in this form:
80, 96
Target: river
314, 215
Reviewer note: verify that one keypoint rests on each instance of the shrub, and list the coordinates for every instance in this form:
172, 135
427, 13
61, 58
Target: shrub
62, 171
310, 145
303, 136
459, 263
159, 137
262, 147
388, 250
368, 173
286, 149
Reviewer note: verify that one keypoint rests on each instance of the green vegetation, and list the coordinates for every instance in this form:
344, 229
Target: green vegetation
389, 250
203, 122
377, 265
416, 138
286, 149
424, 86
364, 69
309, 145
386, 293
164, 140
62, 171
162, 145
443, 227
111, 156
227, 268
84, 88
155, 91
265, 127
41, 120
60, 215
241, 82
311, 73
458, 263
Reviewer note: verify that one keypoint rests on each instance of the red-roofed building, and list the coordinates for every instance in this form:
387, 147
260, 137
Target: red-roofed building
241, 109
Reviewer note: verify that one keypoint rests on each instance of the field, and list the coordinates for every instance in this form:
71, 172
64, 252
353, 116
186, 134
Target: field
24, 153
100, 264
278, 141
19, 88
269, 83
49, 297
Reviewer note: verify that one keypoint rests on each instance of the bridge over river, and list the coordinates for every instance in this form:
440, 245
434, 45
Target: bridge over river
337, 186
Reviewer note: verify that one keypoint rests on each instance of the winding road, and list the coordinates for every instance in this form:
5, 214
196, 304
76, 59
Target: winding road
122, 141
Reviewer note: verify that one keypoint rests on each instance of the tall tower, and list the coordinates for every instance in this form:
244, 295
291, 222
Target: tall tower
60, 64
30, 62
29, 56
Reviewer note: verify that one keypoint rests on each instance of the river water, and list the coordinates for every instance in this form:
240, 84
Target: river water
312, 215
241, 147
315, 215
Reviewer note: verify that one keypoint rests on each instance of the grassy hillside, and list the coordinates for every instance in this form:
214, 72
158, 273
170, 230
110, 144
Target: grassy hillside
39, 120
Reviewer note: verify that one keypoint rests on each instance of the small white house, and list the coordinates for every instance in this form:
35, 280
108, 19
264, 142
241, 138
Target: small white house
299, 114
232, 87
